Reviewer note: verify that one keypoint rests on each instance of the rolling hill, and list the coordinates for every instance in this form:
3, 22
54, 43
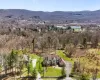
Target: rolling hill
79, 16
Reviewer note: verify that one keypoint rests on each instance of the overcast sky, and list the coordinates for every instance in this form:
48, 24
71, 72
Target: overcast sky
51, 5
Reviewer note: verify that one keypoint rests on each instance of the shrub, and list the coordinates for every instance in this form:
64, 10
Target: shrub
83, 77
34, 73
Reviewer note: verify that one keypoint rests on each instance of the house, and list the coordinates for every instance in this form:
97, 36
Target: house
60, 27
52, 60
76, 28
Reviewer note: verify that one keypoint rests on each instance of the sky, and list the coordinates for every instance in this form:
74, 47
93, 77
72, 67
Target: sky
51, 5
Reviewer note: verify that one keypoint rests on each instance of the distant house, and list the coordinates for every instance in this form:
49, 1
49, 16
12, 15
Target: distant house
76, 28
60, 27
41, 22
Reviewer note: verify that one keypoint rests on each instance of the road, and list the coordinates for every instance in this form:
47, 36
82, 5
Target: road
68, 68
34, 65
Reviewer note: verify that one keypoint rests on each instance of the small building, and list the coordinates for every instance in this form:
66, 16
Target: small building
61, 27
76, 28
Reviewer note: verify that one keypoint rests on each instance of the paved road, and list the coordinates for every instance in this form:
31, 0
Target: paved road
34, 65
38, 76
34, 62
68, 68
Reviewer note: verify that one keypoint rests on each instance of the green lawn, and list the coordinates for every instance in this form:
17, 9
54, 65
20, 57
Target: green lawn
39, 61
53, 72
38, 68
34, 56
63, 56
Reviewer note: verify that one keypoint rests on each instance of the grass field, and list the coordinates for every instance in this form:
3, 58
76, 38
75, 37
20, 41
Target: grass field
53, 72
38, 68
63, 56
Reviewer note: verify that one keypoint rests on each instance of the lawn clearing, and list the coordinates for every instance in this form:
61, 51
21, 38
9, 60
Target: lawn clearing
63, 56
34, 56
53, 72
38, 66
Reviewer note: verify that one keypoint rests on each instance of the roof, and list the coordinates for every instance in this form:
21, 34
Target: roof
75, 27
61, 27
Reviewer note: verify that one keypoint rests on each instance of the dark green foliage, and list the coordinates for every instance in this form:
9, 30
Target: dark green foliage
84, 42
12, 58
30, 67
63, 71
34, 73
83, 77
69, 28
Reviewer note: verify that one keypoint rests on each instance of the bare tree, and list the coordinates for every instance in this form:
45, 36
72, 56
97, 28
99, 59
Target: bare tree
70, 50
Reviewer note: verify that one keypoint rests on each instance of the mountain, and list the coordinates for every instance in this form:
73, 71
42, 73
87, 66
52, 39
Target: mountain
79, 16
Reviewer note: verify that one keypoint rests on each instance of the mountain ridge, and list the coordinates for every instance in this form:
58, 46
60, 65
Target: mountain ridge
79, 16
